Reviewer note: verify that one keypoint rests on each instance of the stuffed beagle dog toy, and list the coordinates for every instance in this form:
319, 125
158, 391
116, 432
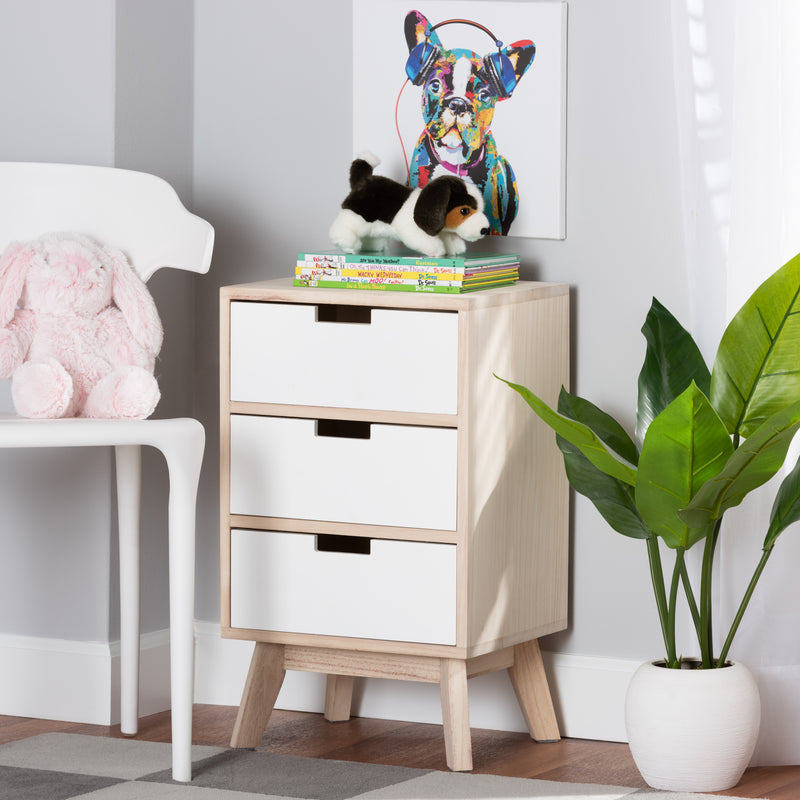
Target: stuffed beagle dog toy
436, 220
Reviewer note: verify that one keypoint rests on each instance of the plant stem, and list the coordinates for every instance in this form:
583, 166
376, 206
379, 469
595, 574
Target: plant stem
657, 576
687, 589
673, 599
743, 607
706, 632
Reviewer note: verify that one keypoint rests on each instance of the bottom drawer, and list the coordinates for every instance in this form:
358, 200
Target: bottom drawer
302, 583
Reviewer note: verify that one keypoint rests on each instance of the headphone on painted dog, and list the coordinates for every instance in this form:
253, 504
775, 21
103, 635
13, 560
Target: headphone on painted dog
499, 69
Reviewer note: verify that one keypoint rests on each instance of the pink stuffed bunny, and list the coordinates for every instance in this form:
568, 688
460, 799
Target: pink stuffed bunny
79, 332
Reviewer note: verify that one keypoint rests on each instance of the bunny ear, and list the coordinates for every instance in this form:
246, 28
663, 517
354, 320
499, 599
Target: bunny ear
135, 302
14, 266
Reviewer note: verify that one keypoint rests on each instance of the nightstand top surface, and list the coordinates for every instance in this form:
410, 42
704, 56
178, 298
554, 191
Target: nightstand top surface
283, 290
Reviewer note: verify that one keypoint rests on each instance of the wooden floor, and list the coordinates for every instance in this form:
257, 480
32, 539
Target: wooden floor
417, 745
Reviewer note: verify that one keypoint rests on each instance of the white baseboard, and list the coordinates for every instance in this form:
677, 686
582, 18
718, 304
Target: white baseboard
588, 692
78, 681
779, 738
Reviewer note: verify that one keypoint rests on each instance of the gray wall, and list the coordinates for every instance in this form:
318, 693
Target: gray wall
267, 176
111, 83
97, 82
56, 505
271, 180
153, 115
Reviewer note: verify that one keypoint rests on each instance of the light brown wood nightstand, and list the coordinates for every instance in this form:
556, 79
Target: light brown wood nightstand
389, 508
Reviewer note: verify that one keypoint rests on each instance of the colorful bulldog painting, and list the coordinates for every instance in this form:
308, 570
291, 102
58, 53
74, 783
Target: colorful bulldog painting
460, 89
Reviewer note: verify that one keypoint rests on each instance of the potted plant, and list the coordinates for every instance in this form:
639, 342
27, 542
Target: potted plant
704, 439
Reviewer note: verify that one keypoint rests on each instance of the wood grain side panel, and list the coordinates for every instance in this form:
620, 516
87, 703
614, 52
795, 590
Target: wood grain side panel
518, 547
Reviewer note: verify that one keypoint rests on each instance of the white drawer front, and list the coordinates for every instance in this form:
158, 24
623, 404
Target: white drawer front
400, 591
402, 475
400, 361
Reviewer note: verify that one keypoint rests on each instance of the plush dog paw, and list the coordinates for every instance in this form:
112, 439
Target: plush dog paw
343, 234
375, 244
128, 393
42, 390
433, 247
453, 245
10, 353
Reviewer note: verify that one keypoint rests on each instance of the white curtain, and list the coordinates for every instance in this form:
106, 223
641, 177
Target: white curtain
737, 75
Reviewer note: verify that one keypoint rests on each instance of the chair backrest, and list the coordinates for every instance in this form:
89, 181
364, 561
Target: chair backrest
137, 213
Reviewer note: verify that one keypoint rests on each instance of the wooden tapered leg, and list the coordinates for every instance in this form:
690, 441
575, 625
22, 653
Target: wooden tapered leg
455, 714
530, 684
338, 697
261, 689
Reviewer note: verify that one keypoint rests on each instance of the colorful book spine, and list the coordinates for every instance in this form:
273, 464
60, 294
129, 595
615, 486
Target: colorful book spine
335, 274
488, 286
400, 287
393, 276
393, 281
396, 287
446, 273
414, 261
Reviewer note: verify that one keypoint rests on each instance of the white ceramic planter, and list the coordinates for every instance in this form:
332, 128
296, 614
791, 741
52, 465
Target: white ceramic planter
692, 730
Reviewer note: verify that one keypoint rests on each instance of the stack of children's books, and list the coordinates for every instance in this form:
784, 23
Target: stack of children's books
405, 271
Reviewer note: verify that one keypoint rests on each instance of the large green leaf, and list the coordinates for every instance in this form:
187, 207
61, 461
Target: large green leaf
757, 368
610, 496
582, 436
686, 445
751, 465
672, 361
604, 425
786, 508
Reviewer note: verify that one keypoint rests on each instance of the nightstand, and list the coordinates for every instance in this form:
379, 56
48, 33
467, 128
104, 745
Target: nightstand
388, 507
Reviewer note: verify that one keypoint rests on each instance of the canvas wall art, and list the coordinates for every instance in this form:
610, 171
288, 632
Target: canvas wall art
474, 89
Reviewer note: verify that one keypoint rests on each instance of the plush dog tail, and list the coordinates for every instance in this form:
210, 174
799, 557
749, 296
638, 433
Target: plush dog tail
361, 168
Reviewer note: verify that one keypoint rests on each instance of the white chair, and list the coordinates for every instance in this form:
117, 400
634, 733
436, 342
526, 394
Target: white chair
141, 215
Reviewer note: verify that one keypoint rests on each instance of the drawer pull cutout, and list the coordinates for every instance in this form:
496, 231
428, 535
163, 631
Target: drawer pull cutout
343, 428
361, 315
332, 543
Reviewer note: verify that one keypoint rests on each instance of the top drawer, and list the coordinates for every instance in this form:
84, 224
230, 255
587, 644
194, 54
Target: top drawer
400, 360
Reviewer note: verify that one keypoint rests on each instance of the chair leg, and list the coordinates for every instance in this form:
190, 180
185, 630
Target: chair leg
184, 457
129, 486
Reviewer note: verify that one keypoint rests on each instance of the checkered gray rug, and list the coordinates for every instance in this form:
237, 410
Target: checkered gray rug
58, 766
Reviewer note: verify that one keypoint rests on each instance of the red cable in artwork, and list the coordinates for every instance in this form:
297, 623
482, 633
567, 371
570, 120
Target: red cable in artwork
397, 128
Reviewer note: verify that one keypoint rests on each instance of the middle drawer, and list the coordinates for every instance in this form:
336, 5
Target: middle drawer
402, 475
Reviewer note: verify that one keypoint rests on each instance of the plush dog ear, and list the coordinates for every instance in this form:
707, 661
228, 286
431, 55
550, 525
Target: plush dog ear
430, 211
135, 302
14, 266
